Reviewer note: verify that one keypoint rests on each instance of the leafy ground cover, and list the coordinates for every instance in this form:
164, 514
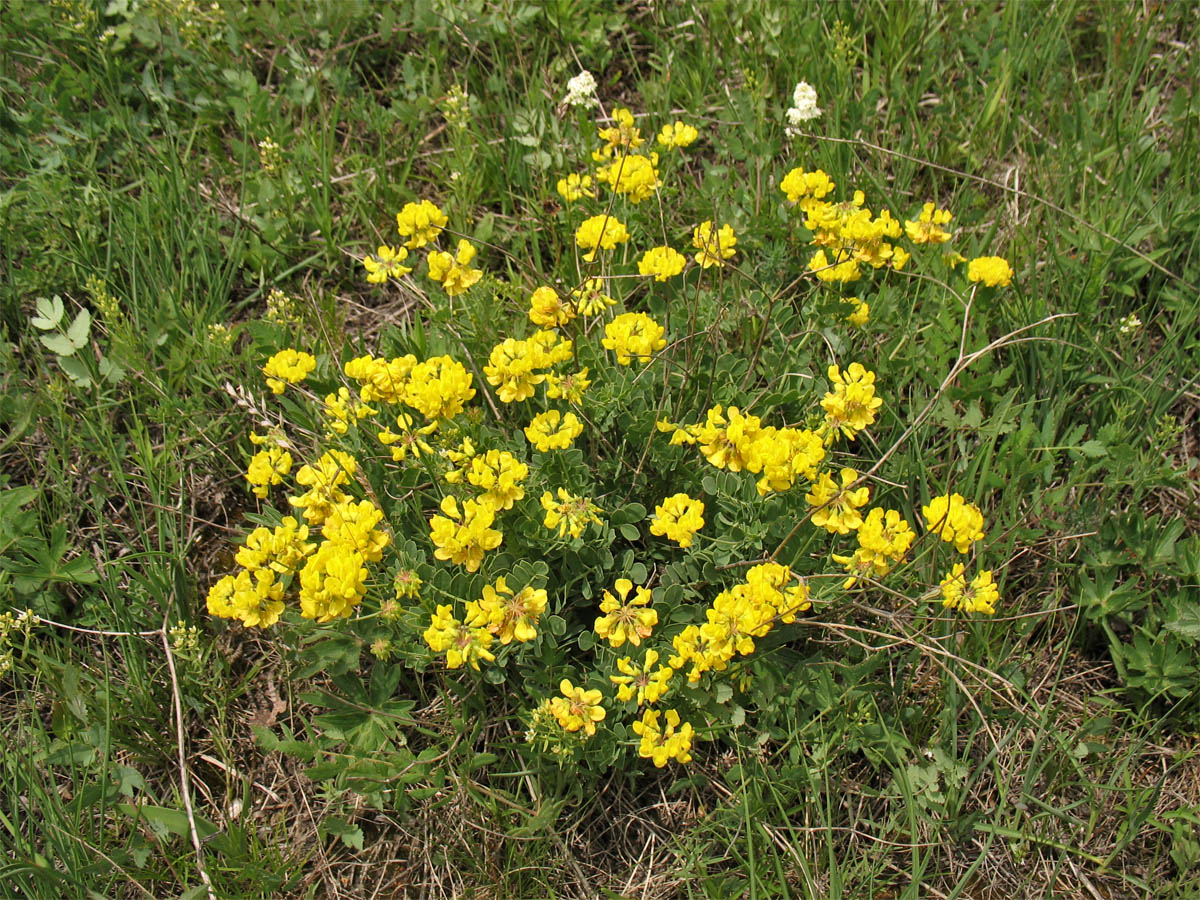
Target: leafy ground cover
190, 189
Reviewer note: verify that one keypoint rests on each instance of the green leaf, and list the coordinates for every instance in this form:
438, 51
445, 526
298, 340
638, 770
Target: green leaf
1093, 449
76, 370
58, 344
350, 835
50, 313
630, 532
77, 333
1186, 622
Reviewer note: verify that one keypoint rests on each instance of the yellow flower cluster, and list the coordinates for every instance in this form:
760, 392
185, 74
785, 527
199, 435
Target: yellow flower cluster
462, 537
552, 430
992, 271
577, 709
380, 380
454, 273
569, 514
387, 262
512, 616
438, 388
420, 223
633, 335
837, 505
625, 619
851, 406
590, 299
883, 540
623, 135
255, 594
678, 518
514, 365
288, 367
267, 468
954, 520
547, 309
324, 481
642, 684
677, 135
927, 228
661, 262
500, 476
729, 439
737, 616
602, 232
715, 244
334, 579
663, 742
575, 186
410, 439
806, 188
340, 412
464, 643
852, 236
980, 595
567, 387
633, 176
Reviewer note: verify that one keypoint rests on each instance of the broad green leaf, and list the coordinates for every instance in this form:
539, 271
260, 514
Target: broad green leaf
50, 313
58, 344
77, 333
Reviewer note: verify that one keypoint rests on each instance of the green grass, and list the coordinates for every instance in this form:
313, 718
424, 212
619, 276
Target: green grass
1042, 753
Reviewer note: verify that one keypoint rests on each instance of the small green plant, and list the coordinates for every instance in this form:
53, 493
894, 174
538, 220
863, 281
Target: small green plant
66, 341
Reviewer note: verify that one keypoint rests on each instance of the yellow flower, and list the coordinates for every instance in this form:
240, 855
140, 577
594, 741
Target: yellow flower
842, 270
512, 616
324, 481
381, 379
574, 186
663, 742
567, 387
420, 222
500, 476
851, 406
624, 619
643, 683
861, 314
461, 642
602, 232
837, 507
387, 262
577, 709
993, 271
570, 514
955, 520
632, 175
332, 582
438, 388
800, 185
632, 335
454, 272
980, 595
288, 367
590, 299
513, 365
352, 525
340, 412
677, 135
661, 262
463, 538
552, 430
623, 135
927, 229
268, 467
411, 439
715, 244
678, 518
547, 310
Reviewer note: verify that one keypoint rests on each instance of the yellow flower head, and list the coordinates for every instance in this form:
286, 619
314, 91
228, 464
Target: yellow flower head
678, 518
927, 229
288, 367
438, 388
851, 406
512, 616
632, 335
664, 741
573, 187
552, 430
955, 520
421, 223
546, 308
577, 709
800, 185
386, 262
463, 537
633, 176
624, 619
993, 271
677, 135
454, 273
837, 506
715, 244
602, 232
590, 299
980, 595
661, 262
569, 514
644, 683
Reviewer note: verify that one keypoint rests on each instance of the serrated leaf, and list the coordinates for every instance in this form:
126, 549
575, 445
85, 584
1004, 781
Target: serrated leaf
76, 371
50, 313
77, 333
1186, 622
1093, 449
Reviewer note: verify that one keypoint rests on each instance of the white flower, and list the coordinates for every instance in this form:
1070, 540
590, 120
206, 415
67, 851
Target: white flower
804, 107
1130, 323
581, 90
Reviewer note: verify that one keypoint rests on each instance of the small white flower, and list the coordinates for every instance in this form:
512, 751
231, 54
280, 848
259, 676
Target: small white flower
1130, 323
804, 107
581, 90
